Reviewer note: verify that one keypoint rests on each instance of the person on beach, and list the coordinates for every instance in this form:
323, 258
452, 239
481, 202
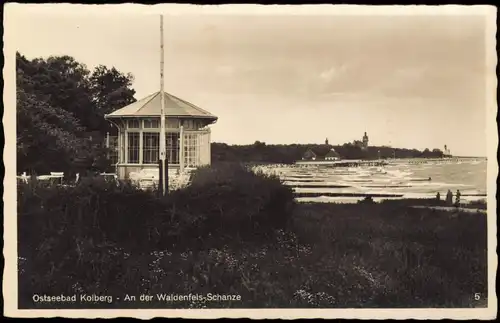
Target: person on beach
449, 198
438, 197
457, 199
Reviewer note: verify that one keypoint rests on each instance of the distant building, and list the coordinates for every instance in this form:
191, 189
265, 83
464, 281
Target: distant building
365, 141
363, 144
332, 155
321, 152
446, 152
309, 155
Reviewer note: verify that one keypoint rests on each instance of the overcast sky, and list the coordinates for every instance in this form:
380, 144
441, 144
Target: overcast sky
408, 81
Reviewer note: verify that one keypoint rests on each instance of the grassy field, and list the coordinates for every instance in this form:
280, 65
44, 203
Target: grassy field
233, 232
390, 255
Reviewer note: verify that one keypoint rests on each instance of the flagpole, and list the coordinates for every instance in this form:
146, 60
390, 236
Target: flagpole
163, 139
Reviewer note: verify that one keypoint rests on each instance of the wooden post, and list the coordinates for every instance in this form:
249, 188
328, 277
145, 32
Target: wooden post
141, 143
118, 149
107, 145
160, 184
163, 139
209, 148
181, 148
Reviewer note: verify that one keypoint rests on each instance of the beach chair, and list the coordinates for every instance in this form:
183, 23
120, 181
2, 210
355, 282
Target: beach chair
109, 175
57, 175
145, 178
24, 178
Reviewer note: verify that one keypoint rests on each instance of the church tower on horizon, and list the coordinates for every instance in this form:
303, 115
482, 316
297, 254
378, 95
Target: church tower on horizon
365, 141
446, 150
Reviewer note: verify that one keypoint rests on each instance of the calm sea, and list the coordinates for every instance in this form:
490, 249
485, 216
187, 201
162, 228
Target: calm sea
401, 180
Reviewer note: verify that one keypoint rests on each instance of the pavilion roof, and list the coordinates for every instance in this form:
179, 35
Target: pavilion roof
310, 151
332, 153
150, 106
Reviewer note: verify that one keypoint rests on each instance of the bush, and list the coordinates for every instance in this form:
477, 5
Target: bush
233, 201
100, 234
478, 204
415, 202
116, 240
95, 209
229, 201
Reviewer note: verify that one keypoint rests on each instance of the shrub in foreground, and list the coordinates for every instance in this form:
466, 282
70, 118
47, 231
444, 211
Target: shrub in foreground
235, 201
96, 211
229, 201
340, 256
83, 233
360, 255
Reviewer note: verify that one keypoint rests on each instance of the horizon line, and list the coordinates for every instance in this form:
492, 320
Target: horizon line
317, 144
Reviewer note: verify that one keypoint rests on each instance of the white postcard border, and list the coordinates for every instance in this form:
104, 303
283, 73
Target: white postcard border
10, 278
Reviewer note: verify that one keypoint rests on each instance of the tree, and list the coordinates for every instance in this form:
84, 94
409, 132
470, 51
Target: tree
58, 103
111, 90
46, 138
62, 82
288, 154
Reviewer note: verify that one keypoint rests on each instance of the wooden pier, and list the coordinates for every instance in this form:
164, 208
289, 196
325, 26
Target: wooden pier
376, 163
342, 163
450, 160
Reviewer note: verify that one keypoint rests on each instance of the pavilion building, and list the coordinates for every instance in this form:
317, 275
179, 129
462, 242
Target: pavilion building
332, 155
138, 140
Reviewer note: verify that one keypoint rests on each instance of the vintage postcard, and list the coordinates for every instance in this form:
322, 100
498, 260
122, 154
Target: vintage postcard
250, 161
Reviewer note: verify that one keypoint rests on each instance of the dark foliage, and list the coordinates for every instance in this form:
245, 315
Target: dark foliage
60, 105
260, 152
83, 234
234, 232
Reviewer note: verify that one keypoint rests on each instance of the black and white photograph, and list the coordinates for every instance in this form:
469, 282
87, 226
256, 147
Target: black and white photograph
251, 161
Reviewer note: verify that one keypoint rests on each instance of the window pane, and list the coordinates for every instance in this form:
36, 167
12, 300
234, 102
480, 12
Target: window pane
133, 123
192, 124
191, 150
113, 146
151, 143
151, 123
172, 123
173, 148
133, 148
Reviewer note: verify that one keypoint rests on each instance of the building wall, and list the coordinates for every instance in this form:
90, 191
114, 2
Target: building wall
123, 171
137, 145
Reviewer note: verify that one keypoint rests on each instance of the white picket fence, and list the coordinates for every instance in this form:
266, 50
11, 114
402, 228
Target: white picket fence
145, 179
53, 175
57, 177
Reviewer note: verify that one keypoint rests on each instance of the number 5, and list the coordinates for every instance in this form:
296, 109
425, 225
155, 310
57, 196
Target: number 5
477, 296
